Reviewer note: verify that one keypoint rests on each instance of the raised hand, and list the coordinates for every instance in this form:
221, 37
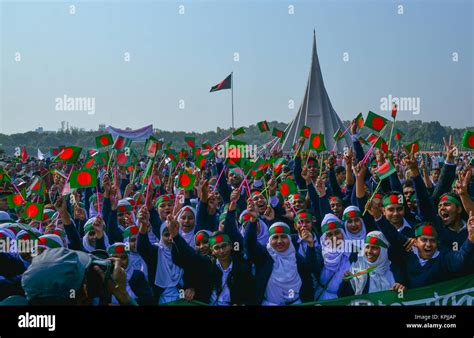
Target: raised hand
320, 187
374, 210
172, 225
450, 148
308, 237
98, 226
269, 213
252, 209
305, 174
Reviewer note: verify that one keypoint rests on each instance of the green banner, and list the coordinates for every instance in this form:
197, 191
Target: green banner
458, 291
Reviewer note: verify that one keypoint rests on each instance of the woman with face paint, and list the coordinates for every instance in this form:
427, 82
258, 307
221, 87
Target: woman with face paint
371, 272
335, 256
94, 235
283, 277
354, 227
165, 276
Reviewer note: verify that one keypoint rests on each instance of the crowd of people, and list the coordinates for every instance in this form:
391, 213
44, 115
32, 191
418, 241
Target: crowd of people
236, 238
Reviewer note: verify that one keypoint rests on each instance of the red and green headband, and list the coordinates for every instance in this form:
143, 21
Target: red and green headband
375, 241
331, 226
449, 198
426, 230
117, 248
221, 238
163, 199
201, 237
130, 231
335, 199
393, 199
279, 228
351, 214
303, 215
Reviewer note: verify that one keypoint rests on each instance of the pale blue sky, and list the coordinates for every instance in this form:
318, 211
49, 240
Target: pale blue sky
177, 57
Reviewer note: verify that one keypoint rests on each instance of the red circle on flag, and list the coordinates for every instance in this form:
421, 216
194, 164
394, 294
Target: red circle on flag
184, 180
384, 147
378, 123
152, 148
84, 178
32, 211
470, 141
104, 140
17, 199
284, 189
66, 154
119, 143
42, 241
306, 132
55, 151
25, 237
90, 163
383, 168
134, 230
121, 158
316, 141
393, 199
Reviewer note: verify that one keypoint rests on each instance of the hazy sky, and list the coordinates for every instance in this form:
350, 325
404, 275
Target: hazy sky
177, 57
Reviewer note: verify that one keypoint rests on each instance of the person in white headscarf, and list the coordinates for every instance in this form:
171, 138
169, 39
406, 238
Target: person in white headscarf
187, 216
355, 230
134, 259
335, 257
371, 272
262, 228
94, 235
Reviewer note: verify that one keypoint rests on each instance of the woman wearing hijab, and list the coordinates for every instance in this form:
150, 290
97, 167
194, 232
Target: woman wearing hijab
262, 228
375, 268
335, 257
136, 282
165, 276
134, 259
283, 276
187, 224
355, 230
94, 236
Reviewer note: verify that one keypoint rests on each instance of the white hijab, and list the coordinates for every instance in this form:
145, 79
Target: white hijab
88, 247
168, 274
358, 237
188, 237
262, 236
381, 279
285, 282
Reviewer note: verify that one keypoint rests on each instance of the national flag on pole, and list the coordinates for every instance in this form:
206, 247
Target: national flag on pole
103, 141
33, 211
17, 152
24, 154
125, 158
394, 110
83, 179
234, 156
69, 154
121, 143
207, 145
224, 84
239, 131
398, 135
385, 170
190, 141
468, 139
263, 126
3, 176
200, 161
279, 133
288, 187
415, 145
14, 201
186, 181
375, 122
54, 152
305, 132
277, 165
317, 142
151, 146
338, 135
359, 120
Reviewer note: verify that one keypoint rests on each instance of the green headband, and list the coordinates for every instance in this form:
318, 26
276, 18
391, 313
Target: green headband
425, 229
331, 226
202, 237
117, 248
237, 172
375, 241
303, 215
221, 238
335, 199
164, 198
279, 228
393, 199
451, 199
130, 231
351, 214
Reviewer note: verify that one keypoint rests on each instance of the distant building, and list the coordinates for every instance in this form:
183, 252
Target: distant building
102, 127
40, 130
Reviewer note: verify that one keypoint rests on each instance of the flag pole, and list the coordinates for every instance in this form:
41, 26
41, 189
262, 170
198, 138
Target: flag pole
232, 96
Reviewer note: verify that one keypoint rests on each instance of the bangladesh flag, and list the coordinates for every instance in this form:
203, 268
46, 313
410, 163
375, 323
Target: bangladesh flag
263, 126
4, 178
155, 181
207, 145
171, 154
190, 141
317, 142
122, 143
125, 158
415, 145
200, 161
103, 141
224, 84
338, 135
152, 145
89, 163
382, 145
359, 120
362, 140
69, 154
398, 135
257, 174
468, 139
394, 111
288, 187
305, 132
83, 179
183, 154
385, 170
14, 201
239, 131
279, 133
54, 152
277, 165
33, 211
186, 181
235, 155
38, 187
375, 122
